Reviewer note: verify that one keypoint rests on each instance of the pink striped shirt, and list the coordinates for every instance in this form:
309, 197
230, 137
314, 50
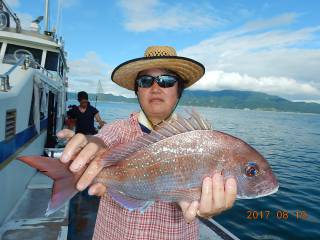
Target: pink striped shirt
160, 221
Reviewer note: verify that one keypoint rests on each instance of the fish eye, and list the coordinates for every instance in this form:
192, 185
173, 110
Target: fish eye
251, 169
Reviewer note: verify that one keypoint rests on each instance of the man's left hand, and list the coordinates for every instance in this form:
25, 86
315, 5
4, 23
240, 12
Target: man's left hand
215, 198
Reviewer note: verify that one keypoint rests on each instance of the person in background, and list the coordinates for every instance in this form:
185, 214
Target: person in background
158, 80
84, 115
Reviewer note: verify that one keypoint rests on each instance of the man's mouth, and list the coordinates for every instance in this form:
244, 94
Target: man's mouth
156, 100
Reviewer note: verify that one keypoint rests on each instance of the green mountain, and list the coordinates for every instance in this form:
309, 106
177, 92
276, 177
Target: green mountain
246, 100
227, 99
103, 97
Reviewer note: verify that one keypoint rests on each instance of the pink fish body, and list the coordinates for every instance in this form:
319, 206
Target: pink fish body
170, 163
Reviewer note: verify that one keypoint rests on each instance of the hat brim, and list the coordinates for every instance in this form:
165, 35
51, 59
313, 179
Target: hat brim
188, 69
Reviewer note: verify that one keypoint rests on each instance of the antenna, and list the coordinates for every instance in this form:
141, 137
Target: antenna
59, 14
46, 16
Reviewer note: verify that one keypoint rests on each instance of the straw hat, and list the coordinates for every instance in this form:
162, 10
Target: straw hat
158, 57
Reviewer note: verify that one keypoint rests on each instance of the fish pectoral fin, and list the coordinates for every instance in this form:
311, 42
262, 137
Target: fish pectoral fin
128, 202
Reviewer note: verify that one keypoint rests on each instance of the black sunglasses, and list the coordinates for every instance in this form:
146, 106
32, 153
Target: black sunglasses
164, 81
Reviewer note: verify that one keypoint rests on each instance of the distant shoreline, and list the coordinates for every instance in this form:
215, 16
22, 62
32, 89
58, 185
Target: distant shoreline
184, 105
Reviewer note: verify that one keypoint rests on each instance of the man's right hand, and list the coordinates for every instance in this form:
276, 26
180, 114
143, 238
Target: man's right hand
84, 152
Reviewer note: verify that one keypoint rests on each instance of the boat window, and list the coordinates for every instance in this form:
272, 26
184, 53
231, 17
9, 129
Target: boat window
52, 61
15, 52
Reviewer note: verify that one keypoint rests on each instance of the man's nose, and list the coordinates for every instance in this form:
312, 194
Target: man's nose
155, 87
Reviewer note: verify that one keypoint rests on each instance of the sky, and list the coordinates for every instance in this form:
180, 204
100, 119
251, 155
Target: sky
266, 46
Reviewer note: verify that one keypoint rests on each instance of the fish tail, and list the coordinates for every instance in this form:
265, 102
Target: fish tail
64, 180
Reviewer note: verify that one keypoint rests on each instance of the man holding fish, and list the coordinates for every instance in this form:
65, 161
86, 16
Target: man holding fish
158, 94
156, 171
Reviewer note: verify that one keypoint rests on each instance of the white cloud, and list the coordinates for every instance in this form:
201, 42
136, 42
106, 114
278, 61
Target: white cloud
288, 87
13, 3
283, 19
25, 20
150, 15
91, 65
86, 72
274, 59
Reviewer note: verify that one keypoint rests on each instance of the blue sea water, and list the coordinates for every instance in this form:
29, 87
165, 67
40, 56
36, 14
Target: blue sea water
291, 144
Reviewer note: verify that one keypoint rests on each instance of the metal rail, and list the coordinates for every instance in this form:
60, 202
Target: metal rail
12, 14
26, 62
219, 230
5, 83
38, 66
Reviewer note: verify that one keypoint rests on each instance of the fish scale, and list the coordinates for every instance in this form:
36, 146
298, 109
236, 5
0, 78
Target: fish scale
169, 166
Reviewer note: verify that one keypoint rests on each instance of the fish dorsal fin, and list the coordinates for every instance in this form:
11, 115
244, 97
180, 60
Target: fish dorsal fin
176, 125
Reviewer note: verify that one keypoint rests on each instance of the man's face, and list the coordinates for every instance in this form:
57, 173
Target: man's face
83, 103
157, 102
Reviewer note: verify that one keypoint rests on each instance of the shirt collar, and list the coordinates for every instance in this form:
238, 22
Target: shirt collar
142, 119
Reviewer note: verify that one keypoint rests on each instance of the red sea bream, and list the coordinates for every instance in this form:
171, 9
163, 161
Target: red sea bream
169, 164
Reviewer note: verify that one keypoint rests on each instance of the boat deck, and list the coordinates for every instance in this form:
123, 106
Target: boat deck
27, 220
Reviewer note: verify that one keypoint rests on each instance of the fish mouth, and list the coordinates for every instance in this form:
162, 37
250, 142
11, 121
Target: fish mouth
263, 194
269, 185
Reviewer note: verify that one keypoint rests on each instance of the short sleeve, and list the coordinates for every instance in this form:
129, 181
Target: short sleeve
94, 110
120, 131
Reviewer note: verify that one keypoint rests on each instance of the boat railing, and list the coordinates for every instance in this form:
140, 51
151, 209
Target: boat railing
5, 83
12, 14
25, 62
44, 71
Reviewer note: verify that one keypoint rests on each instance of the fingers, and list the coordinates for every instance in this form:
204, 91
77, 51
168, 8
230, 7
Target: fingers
206, 196
83, 150
91, 172
97, 189
73, 147
231, 192
218, 193
85, 156
189, 210
65, 133
216, 196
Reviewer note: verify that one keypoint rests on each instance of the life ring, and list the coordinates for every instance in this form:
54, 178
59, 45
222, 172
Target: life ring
19, 53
